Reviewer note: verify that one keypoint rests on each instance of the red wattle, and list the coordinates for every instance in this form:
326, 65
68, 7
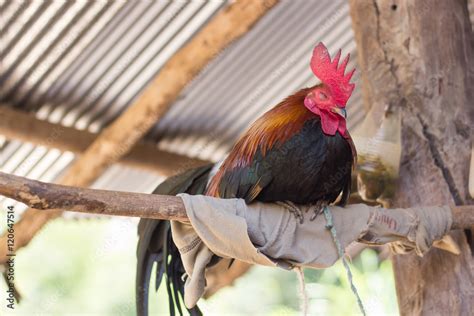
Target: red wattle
331, 123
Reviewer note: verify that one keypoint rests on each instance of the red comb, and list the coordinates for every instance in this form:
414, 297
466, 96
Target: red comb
332, 74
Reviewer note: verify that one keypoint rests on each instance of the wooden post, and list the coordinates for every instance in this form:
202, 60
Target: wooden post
418, 56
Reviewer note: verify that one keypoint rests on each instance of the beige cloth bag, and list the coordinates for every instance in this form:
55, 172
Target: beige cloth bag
268, 234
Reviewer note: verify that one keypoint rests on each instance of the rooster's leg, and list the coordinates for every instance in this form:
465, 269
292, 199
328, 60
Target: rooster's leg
293, 208
317, 209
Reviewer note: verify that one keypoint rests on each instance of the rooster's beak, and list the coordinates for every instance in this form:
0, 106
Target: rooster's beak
340, 111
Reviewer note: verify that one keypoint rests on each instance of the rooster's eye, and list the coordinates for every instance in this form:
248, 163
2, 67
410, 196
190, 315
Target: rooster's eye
322, 96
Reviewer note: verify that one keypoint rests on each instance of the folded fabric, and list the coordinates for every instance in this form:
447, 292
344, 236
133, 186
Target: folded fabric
268, 234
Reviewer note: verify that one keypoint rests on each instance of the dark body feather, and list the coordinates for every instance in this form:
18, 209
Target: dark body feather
308, 167
299, 163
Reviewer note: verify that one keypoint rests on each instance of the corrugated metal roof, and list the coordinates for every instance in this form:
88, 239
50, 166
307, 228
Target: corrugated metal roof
81, 63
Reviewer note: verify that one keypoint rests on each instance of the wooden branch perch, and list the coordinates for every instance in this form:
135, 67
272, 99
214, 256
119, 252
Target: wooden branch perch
47, 196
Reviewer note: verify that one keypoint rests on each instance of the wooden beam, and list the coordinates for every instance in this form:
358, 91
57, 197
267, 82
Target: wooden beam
416, 56
49, 196
25, 127
117, 140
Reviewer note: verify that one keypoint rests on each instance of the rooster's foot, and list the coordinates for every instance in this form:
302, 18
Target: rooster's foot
293, 208
317, 208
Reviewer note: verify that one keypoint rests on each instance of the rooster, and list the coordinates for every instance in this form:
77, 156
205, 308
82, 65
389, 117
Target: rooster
299, 152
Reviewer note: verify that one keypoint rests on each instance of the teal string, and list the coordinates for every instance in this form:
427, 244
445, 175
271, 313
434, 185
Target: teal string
340, 251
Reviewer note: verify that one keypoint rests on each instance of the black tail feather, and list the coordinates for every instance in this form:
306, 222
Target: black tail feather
145, 262
169, 264
155, 245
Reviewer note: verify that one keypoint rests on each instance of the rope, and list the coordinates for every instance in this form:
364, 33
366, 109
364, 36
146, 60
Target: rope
304, 295
340, 250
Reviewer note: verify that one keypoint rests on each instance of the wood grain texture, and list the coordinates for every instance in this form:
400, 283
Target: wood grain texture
116, 140
416, 57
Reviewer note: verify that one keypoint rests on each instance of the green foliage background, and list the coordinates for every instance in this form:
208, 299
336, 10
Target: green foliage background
87, 267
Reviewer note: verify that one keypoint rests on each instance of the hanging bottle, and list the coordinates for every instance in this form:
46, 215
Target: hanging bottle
379, 151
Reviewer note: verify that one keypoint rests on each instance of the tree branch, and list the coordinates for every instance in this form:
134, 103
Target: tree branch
48, 196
